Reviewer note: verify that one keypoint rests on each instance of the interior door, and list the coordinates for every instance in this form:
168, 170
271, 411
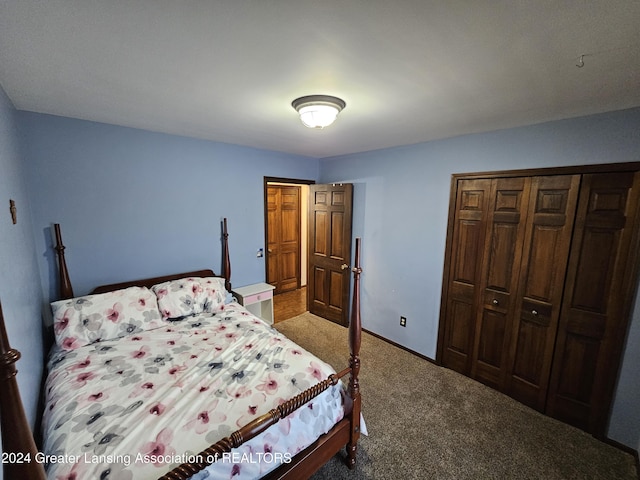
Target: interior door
283, 237
506, 219
328, 285
462, 279
592, 325
544, 262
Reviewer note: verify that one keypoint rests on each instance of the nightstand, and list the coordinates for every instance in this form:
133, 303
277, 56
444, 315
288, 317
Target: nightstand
258, 299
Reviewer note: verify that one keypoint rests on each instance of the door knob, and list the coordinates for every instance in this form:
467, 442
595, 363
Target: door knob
344, 266
495, 301
534, 312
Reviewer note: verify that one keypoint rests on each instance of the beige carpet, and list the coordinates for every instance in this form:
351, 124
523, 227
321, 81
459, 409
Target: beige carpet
427, 422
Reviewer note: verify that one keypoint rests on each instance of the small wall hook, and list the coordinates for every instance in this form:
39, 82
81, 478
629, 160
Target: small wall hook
14, 211
580, 62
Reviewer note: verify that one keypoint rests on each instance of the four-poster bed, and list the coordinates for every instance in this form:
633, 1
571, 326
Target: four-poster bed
80, 352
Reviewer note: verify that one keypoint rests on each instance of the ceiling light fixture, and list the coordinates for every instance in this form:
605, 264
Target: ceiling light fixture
318, 111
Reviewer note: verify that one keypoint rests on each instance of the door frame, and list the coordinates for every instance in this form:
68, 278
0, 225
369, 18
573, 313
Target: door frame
291, 181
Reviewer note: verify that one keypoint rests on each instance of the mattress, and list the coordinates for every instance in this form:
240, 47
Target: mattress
135, 407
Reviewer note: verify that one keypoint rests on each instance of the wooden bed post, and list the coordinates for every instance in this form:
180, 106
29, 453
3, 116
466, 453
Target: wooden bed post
18, 445
355, 329
226, 261
66, 291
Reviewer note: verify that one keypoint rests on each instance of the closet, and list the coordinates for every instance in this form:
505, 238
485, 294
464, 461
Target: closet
540, 276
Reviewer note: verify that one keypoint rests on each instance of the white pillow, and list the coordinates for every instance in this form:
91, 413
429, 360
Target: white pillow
190, 296
83, 320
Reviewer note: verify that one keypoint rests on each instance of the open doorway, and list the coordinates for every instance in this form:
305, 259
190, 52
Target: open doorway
286, 212
317, 267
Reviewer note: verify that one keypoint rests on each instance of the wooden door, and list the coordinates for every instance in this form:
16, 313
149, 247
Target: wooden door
328, 285
460, 285
501, 259
541, 271
283, 237
545, 255
600, 283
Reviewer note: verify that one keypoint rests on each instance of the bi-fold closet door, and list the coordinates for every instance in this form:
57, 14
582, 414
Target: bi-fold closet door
521, 283
512, 239
534, 292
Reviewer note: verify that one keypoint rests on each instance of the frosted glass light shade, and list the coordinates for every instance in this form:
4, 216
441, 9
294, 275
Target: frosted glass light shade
318, 116
318, 111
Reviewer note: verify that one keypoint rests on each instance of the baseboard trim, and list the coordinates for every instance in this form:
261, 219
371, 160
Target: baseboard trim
626, 449
401, 347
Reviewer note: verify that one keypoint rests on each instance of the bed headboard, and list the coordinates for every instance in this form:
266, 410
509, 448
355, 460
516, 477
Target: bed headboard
66, 290
150, 282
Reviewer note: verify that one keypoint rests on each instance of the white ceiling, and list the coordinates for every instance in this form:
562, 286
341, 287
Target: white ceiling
409, 70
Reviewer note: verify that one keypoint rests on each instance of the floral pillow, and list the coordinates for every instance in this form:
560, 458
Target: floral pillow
94, 318
190, 296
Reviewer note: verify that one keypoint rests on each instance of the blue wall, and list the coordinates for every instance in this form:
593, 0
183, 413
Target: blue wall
133, 203
20, 291
401, 198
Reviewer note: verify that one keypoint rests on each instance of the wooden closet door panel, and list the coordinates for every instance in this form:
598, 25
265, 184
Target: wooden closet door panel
472, 200
590, 331
500, 268
545, 254
283, 237
273, 235
290, 239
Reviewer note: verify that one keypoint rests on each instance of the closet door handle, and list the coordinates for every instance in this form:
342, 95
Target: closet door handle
495, 301
534, 312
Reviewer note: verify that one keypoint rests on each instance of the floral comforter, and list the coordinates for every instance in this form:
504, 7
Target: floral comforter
137, 406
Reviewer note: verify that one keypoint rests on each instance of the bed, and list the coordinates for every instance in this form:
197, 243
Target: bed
168, 377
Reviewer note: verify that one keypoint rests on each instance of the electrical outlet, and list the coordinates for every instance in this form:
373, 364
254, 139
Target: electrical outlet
403, 321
